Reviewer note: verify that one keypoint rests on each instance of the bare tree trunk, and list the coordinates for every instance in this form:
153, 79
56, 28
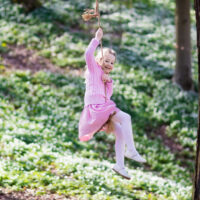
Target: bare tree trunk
29, 5
196, 181
182, 74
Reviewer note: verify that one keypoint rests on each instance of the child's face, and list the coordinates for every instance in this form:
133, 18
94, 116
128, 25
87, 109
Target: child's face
109, 61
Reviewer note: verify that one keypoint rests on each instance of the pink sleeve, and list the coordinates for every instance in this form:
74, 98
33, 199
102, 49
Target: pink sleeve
110, 87
89, 54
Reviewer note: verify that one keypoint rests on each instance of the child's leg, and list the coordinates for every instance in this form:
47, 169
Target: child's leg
119, 144
125, 120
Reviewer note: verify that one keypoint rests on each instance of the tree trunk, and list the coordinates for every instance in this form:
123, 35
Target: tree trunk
182, 74
29, 5
196, 181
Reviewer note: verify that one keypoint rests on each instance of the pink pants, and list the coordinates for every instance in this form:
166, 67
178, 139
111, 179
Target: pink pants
123, 135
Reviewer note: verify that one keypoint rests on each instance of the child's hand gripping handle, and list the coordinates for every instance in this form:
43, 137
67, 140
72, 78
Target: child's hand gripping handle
99, 34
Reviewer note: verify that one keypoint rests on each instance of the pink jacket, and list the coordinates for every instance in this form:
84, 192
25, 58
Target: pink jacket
95, 89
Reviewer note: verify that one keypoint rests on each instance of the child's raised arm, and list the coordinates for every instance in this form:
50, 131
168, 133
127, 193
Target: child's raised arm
89, 53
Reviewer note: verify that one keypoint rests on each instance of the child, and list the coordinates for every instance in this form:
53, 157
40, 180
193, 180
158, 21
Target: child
98, 107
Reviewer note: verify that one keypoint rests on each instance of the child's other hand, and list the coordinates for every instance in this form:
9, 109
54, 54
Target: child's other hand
99, 34
105, 78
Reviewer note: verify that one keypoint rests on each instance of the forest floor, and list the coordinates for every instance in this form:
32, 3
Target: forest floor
19, 57
29, 194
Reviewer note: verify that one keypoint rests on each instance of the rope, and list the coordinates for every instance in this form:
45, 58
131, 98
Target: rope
99, 26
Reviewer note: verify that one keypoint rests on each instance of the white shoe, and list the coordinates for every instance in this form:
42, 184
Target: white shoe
121, 171
135, 156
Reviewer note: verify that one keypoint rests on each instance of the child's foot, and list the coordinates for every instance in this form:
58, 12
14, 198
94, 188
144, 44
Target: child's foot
121, 171
134, 156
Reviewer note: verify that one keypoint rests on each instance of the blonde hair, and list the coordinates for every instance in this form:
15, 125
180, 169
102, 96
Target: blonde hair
98, 57
108, 126
106, 50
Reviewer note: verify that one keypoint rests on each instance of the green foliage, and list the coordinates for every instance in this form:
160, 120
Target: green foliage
43, 127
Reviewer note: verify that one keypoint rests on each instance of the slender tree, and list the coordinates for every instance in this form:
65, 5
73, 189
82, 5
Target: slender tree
182, 75
196, 181
29, 5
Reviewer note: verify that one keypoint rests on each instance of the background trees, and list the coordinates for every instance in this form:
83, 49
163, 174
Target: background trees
196, 182
29, 5
182, 74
